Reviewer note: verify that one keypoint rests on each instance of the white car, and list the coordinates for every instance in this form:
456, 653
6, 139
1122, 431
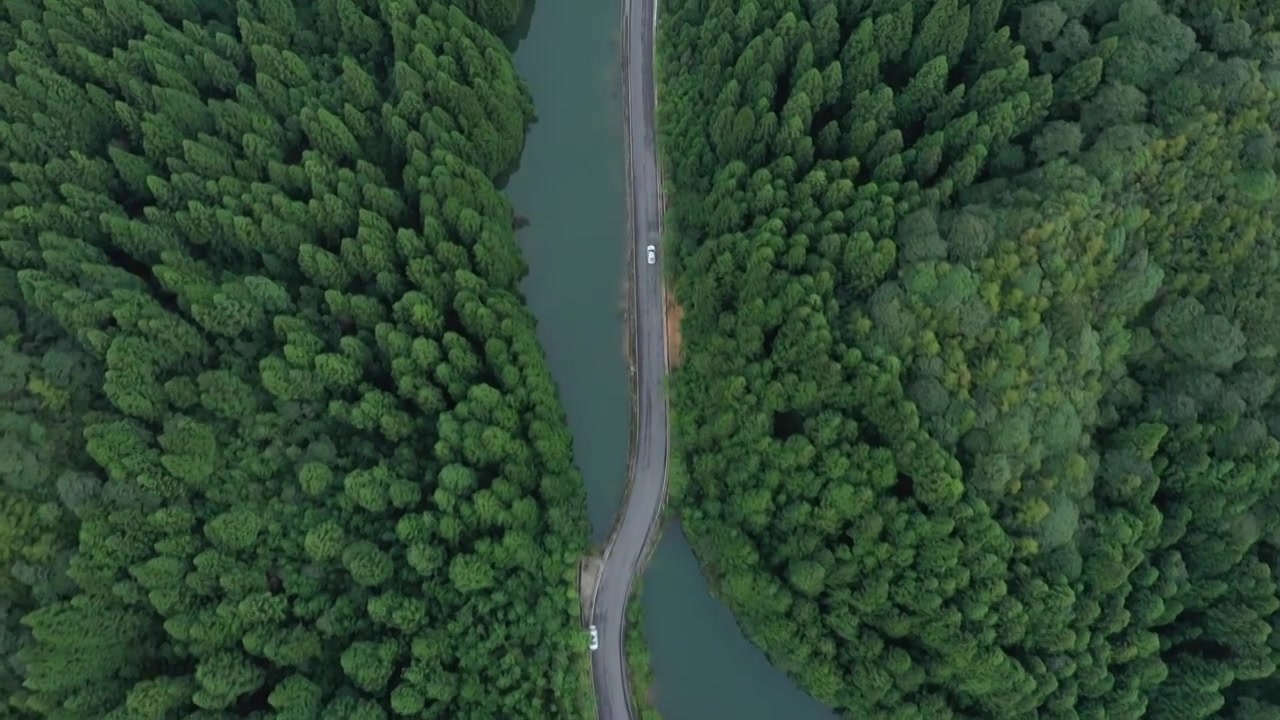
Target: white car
653, 254
595, 639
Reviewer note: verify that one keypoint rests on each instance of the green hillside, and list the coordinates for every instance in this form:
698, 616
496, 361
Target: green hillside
277, 440
977, 410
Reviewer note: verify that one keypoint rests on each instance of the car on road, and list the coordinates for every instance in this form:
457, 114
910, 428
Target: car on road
653, 254
595, 639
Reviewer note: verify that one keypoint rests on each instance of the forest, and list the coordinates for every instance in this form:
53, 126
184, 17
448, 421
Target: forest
278, 439
978, 400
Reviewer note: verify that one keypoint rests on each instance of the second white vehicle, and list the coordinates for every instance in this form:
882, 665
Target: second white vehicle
653, 254
595, 639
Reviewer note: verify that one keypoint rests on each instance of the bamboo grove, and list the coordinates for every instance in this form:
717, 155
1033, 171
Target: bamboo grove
278, 438
977, 411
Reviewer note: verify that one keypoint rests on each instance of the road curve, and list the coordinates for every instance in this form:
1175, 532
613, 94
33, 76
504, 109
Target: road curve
643, 505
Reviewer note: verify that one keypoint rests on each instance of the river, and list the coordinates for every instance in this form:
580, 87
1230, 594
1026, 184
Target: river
571, 188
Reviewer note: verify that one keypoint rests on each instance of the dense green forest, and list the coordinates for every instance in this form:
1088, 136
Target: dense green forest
277, 438
978, 400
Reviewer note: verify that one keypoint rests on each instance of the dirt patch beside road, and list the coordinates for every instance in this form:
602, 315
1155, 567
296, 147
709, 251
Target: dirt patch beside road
675, 314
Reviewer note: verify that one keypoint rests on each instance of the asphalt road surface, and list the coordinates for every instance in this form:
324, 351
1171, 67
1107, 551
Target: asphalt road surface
643, 504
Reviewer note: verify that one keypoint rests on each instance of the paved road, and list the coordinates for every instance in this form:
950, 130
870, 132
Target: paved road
643, 505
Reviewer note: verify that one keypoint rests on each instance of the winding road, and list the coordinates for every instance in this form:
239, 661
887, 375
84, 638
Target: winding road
641, 513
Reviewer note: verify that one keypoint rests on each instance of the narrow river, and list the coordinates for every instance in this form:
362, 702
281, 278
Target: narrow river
571, 188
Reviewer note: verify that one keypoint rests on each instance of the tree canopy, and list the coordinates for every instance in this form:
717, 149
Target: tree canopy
277, 438
976, 414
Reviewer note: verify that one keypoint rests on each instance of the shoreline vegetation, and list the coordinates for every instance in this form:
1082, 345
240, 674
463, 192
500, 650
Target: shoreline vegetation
279, 439
977, 389
639, 668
